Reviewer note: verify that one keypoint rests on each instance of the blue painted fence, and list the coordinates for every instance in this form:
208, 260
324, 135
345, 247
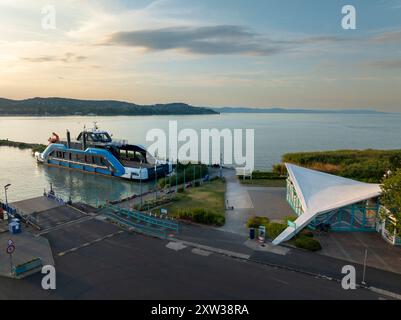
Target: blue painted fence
147, 219
26, 267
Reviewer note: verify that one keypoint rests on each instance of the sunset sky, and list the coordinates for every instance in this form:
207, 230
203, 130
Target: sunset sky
254, 53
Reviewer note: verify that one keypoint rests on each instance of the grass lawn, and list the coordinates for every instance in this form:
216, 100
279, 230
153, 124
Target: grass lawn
270, 183
208, 196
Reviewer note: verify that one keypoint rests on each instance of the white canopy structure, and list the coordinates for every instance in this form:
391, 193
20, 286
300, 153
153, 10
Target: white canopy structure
320, 193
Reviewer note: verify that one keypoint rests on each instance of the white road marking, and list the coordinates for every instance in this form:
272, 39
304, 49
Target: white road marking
87, 244
215, 250
176, 246
200, 252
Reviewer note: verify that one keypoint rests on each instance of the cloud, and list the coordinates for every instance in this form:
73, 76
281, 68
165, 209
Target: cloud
385, 64
210, 40
214, 40
387, 37
68, 57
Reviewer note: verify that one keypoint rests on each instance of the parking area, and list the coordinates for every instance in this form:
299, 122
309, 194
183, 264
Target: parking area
351, 247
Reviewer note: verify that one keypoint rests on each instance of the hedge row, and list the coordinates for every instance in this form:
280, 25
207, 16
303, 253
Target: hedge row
307, 243
203, 216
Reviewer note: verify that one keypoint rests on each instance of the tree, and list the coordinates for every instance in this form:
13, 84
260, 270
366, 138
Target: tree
395, 162
391, 197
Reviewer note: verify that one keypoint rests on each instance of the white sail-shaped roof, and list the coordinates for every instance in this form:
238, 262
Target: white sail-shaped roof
321, 192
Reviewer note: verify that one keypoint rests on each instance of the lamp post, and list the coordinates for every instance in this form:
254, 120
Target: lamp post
364, 267
169, 183
176, 178
185, 185
156, 180
221, 166
140, 183
5, 192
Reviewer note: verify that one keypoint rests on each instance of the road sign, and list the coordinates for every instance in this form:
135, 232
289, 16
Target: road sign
10, 243
10, 249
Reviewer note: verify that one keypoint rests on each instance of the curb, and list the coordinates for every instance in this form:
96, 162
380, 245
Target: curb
385, 293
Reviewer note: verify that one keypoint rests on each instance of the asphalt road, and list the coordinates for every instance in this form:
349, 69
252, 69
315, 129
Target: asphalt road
130, 266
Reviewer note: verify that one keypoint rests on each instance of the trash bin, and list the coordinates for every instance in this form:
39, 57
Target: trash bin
252, 233
14, 227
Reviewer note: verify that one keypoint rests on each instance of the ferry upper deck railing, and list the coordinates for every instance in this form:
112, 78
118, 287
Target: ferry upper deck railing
76, 144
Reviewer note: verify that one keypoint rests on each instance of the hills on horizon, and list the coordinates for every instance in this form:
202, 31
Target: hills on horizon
69, 107
284, 110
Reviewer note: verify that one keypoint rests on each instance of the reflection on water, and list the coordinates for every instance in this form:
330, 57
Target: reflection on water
29, 179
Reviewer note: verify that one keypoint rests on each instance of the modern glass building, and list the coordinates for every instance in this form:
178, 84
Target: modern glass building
321, 199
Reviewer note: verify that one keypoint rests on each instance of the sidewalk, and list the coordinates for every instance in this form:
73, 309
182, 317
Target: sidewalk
238, 198
28, 247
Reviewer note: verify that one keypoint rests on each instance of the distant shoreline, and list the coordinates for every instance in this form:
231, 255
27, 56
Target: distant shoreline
201, 114
102, 115
298, 111
52, 107
65, 107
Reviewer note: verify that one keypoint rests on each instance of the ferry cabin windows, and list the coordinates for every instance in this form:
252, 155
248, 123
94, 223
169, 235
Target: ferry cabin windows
80, 157
100, 137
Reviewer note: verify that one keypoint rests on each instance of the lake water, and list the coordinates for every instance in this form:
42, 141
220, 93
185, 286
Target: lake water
275, 134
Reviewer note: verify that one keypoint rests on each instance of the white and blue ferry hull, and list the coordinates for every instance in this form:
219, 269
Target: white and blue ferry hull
103, 163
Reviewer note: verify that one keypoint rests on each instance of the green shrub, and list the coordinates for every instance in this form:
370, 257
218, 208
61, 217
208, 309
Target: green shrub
291, 218
280, 169
307, 243
306, 233
266, 175
273, 229
256, 222
362, 165
203, 216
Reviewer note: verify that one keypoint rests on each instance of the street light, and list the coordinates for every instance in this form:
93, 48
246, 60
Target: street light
156, 180
176, 178
140, 182
5, 192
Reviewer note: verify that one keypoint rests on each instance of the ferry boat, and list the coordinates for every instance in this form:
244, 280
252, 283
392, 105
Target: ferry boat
94, 151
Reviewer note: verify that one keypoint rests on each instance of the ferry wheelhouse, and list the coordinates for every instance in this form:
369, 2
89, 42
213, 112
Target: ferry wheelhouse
94, 151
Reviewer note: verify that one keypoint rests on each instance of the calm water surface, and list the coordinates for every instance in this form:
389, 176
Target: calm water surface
275, 134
